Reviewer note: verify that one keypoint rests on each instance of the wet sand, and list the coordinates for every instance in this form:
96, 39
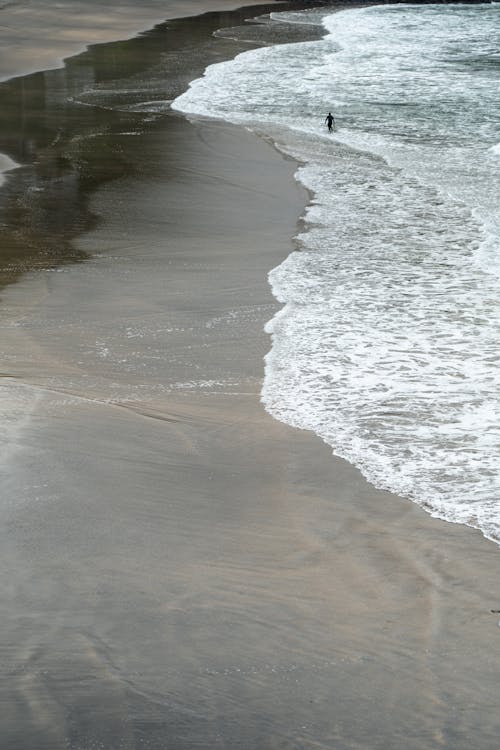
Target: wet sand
180, 570
40, 36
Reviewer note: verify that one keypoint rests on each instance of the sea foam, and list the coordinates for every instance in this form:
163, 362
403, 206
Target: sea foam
387, 343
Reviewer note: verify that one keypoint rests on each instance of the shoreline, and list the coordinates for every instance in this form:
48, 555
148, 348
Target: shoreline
183, 570
200, 108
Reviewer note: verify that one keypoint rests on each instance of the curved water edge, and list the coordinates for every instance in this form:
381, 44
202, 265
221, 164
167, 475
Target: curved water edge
387, 342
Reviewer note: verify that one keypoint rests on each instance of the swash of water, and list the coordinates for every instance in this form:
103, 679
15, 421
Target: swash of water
388, 342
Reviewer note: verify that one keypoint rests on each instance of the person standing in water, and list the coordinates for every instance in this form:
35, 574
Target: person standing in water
330, 121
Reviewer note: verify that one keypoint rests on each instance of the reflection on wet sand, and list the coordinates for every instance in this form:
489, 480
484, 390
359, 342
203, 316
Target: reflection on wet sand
179, 570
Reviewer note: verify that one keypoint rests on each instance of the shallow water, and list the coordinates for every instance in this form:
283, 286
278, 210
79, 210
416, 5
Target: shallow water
387, 344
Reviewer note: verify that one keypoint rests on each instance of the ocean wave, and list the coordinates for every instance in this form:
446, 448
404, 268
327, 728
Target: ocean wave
387, 342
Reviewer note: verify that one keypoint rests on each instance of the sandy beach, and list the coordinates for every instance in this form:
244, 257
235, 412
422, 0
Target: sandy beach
180, 570
43, 35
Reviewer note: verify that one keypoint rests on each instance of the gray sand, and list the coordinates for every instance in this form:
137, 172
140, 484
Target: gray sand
180, 570
183, 571
41, 34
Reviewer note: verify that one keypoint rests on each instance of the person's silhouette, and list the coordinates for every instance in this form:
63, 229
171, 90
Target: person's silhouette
330, 121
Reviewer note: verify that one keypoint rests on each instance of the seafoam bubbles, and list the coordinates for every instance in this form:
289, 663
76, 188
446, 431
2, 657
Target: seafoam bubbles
387, 342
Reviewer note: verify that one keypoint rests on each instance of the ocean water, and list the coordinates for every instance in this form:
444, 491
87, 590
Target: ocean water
388, 341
